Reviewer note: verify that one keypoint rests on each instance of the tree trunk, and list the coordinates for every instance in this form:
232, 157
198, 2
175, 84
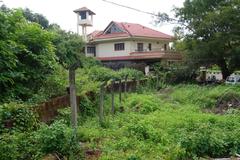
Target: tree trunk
224, 69
73, 99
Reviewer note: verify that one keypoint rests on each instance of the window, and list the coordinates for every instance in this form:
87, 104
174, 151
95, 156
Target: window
91, 50
113, 29
149, 46
119, 46
83, 15
140, 47
165, 47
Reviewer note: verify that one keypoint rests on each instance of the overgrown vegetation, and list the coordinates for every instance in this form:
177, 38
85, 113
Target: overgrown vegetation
170, 124
158, 121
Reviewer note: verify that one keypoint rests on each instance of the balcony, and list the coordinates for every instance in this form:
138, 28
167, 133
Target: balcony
152, 50
86, 22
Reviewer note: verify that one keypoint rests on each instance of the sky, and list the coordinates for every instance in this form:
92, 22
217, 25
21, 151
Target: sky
61, 11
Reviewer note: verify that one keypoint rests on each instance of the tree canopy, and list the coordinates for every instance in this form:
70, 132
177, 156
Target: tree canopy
30, 52
27, 55
211, 32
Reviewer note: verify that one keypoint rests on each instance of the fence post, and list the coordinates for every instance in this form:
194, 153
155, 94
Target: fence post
101, 103
112, 92
157, 82
125, 85
120, 96
73, 100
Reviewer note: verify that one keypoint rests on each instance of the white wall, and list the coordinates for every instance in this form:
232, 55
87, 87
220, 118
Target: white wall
106, 49
156, 45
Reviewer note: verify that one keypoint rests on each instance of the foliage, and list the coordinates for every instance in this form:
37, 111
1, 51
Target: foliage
54, 85
54, 139
130, 73
142, 103
36, 17
16, 117
211, 32
28, 56
19, 146
97, 73
58, 138
174, 73
170, 124
69, 47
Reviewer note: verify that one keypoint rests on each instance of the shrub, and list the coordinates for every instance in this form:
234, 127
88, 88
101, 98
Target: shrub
142, 103
19, 146
17, 117
130, 73
58, 138
97, 73
208, 139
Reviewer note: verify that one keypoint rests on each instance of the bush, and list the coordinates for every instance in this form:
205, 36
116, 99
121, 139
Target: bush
211, 139
142, 103
130, 73
58, 138
16, 117
97, 73
55, 85
19, 146
54, 139
174, 73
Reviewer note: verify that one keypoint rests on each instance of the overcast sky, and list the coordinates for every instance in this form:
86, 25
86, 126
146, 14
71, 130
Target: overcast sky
61, 11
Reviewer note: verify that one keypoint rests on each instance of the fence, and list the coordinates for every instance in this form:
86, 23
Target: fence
47, 111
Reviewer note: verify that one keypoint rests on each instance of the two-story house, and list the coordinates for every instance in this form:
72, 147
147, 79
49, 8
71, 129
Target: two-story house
125, 44
130, 45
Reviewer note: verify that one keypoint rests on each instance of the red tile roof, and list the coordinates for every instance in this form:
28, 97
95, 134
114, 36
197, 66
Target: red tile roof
144, 55
133, 30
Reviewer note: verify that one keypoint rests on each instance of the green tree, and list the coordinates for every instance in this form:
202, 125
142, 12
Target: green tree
36, 17
211, 32
69, 47
27, 56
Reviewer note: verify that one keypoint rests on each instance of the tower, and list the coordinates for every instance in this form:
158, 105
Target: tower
84, 19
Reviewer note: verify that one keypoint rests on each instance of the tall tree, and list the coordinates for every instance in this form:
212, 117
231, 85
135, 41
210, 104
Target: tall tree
27, 55
70, 49
36, 17
212, 34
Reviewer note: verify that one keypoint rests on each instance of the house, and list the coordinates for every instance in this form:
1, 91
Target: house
130, 45
123, 44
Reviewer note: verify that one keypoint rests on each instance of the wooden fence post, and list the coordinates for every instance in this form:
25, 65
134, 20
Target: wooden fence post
125, 85
112, 92
120, 96
120, 92
157, 82
101, 114
73, 100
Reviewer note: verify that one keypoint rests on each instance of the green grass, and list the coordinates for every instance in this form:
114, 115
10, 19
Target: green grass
166, 125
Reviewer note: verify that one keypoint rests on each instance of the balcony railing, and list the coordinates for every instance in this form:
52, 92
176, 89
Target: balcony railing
152, 50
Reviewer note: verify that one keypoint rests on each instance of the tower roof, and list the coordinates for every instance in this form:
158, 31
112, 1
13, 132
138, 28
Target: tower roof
84, 9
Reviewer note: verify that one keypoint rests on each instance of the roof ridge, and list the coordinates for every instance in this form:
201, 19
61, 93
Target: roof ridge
126, 29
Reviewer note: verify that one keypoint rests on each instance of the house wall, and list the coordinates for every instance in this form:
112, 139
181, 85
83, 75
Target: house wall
106, 49
156, 45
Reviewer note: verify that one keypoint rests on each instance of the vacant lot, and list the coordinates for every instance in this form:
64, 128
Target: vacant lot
179, 122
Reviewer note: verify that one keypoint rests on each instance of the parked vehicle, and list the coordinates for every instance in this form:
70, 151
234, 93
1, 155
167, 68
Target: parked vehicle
233, 79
